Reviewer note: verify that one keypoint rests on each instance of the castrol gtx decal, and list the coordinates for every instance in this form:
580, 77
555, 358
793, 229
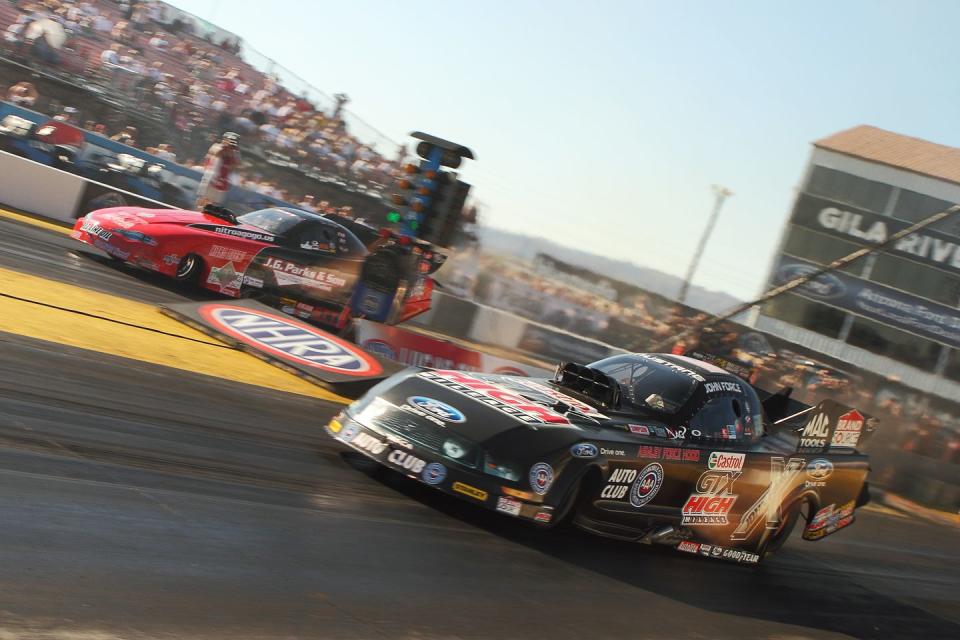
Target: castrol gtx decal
495, 396
289, 340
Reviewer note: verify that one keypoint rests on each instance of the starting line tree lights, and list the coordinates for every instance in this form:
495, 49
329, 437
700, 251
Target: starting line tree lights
428, 201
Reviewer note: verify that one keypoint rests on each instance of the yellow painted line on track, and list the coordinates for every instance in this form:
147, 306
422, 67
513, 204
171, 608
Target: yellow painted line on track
36, 222
200, 353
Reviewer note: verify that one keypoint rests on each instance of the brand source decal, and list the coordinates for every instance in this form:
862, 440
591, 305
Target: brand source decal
289, 340
438, 409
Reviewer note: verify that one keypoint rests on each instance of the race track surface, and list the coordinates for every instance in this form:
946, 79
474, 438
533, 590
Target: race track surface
142, 501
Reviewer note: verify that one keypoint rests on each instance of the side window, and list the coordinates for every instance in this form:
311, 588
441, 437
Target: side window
319, 238
721, 418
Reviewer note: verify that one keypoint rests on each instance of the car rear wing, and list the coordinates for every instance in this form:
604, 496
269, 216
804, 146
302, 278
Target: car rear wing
829, 427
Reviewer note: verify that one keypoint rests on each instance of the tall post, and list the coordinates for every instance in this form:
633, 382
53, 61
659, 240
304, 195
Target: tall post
721, 194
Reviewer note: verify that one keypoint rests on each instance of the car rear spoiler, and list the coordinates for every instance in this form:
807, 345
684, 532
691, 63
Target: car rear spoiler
829, 427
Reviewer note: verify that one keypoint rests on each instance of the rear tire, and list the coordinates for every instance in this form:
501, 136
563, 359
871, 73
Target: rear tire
779, 537
189, 268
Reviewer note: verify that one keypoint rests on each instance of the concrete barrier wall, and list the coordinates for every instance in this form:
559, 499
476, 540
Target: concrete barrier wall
39, 189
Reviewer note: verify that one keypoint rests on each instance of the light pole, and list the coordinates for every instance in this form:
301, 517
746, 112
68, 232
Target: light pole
721, 194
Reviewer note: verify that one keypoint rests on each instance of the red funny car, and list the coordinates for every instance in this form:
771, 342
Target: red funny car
319, 268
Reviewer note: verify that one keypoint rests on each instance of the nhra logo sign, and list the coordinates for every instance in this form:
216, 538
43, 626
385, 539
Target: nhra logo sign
289, 340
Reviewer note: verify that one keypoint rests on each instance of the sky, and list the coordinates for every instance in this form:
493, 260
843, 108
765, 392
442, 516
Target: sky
603, 125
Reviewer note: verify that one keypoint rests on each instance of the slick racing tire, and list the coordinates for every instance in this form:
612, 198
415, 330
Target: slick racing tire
776, 540
189, 268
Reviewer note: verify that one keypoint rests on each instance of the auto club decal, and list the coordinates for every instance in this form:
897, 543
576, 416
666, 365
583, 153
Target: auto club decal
290, 340
647, 485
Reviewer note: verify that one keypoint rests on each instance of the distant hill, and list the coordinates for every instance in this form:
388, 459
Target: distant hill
526, 247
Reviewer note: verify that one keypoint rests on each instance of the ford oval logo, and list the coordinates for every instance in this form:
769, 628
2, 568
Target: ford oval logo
824, 287
290, 340
819, 469
584, 450
437, 409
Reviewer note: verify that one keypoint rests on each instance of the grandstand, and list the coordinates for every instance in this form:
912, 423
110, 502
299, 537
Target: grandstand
192, 81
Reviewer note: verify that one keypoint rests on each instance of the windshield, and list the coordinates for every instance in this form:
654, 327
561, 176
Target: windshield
649, 382
275, 221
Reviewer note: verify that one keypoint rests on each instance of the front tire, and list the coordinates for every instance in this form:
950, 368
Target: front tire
189, 269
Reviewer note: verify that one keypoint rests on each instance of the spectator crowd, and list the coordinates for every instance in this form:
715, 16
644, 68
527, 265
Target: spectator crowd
193, 80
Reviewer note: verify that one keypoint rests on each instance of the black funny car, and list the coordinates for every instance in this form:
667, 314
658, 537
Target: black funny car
649, 448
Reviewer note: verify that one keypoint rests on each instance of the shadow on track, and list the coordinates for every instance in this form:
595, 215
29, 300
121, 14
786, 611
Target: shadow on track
793, 588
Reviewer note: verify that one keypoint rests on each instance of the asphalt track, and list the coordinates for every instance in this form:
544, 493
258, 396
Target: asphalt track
145, 501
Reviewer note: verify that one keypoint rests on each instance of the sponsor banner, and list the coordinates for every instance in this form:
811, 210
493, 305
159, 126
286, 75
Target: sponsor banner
895, 308
276, 337
863, 227
416, 349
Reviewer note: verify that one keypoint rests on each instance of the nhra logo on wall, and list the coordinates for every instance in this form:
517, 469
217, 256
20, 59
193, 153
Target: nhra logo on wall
289, 340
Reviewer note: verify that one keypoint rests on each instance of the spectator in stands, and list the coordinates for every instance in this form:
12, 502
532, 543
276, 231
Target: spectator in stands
23, 94
159, 42
13, 36
110, 63
164, 152
120, 31
102, 24
69, 115
127, 136
222, 160
308, 203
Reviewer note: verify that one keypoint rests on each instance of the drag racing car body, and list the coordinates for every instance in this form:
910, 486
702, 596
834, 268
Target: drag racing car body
308, 265
642, 447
